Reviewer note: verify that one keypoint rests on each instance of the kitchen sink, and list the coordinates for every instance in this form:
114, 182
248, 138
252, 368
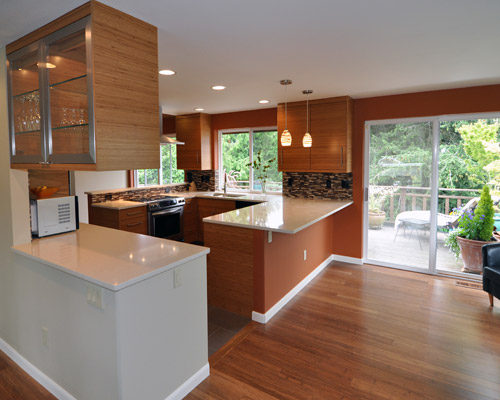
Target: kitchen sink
218, 194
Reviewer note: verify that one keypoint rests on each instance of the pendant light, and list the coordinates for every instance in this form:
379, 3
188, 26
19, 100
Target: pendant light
286, 137
307, 139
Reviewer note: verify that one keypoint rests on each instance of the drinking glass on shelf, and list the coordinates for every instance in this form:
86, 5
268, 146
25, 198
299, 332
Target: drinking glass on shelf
82, 120
37, 112
64, 116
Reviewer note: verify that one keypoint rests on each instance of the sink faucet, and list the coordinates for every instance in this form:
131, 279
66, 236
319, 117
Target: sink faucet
225, 182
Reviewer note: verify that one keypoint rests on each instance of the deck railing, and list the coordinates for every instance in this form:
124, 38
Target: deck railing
411, 198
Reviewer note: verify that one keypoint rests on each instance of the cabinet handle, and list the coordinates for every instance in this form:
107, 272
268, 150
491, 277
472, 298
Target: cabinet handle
137, 223
197, 158
342, 155
134, 213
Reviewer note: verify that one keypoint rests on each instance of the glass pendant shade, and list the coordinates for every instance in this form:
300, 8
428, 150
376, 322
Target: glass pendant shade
307, 140
286, 138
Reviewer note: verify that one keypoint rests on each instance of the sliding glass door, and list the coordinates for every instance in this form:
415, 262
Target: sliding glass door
420, 175
398, 194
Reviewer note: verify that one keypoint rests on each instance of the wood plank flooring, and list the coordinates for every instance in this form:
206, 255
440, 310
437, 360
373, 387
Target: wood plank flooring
355, 332
366, 333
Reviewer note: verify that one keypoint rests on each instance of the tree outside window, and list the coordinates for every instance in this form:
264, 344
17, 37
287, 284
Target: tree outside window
168, 172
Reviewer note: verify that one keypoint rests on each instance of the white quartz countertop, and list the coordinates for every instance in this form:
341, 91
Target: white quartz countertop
118, 204
110, 258
278, 213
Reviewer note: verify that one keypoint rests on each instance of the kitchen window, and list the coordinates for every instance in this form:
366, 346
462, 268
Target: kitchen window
240, 147
168, 172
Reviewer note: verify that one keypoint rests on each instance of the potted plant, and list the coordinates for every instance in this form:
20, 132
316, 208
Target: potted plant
376, 200
475, 229
261, 169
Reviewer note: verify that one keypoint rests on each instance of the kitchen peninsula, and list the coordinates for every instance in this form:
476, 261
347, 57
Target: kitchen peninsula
262, 251
115, 306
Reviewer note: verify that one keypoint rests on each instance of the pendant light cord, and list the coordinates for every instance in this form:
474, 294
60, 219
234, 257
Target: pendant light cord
285, 107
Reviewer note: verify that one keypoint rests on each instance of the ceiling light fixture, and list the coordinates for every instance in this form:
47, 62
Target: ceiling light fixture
307, 139
286, 137
167, 72
263, 101
199, 109
218, 87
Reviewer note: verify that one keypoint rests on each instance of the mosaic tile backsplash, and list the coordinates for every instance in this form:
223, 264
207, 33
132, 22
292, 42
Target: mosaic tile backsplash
140, 193
317, 185
205, 181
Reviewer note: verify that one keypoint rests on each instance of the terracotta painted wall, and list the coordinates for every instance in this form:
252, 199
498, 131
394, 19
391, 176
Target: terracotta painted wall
240, 119
348, 224
279, 266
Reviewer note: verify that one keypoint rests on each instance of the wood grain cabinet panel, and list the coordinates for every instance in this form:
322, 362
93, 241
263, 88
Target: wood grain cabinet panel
130, 219
195, 131
330, 125
208, 207
119, 105
190, 221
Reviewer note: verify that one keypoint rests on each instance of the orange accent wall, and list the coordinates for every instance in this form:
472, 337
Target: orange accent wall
348, 225
240, 119
279, 266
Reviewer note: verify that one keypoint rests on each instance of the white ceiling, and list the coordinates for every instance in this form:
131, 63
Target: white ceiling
359, 48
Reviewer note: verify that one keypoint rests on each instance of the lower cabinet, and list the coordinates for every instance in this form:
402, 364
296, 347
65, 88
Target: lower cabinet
208, 207
129, 219
190, 221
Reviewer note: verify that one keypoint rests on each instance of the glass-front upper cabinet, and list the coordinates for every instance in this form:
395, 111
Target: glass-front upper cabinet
50, 91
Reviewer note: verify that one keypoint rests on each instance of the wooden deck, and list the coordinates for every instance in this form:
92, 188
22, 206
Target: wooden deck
409, 248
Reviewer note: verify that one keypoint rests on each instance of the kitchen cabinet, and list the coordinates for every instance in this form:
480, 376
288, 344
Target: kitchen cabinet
208, 207
190, 221
195, 131
72, 103
129, 219
330, 125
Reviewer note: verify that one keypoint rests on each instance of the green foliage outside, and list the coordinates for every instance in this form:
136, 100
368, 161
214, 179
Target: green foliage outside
148, 177
474, 225
236, 159
401, 155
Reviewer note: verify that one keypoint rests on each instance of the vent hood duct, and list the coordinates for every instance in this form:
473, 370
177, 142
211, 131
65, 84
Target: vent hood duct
164, 139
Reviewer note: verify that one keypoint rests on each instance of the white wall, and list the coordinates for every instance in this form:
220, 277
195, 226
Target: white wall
89, 181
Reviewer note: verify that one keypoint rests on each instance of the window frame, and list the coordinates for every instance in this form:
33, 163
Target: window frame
250, 132
160, 171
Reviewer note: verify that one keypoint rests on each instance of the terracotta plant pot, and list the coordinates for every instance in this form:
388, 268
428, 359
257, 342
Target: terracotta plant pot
472, 255
376, 219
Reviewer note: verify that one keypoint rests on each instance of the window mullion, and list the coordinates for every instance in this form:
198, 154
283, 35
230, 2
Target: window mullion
250, 158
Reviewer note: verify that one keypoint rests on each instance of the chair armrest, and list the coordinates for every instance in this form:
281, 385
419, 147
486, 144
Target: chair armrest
491, 255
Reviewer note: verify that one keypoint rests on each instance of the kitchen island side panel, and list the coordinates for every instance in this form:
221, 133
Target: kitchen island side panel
284, 265
162, 332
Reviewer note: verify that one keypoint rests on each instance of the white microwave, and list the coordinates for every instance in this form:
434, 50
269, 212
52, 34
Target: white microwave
54, 215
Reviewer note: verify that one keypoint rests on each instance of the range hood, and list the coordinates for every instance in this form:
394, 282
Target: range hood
164, 139
167, 130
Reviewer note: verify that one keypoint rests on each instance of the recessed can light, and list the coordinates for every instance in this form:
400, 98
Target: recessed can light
167, 72
218, 87
199, 109
263, 101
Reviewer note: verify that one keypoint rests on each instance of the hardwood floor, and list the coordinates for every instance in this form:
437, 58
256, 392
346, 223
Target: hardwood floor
354, 332
366, 333
15, 384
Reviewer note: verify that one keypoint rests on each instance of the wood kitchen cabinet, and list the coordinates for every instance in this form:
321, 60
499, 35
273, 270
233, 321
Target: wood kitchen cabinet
190, 221
208, 207
330, 125
77, 101
130, 219
195, 131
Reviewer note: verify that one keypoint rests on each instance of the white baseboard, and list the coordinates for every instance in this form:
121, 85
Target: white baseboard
183, 390
35, 373
264, 318
350, 260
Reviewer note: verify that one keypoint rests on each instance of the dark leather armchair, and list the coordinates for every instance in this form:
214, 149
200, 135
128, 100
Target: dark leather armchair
491, 270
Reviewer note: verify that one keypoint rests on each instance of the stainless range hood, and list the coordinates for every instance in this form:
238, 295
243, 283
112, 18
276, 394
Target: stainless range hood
167, 138
164, 139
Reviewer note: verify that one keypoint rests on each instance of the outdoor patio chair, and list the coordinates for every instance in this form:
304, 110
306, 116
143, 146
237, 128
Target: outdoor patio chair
491, 270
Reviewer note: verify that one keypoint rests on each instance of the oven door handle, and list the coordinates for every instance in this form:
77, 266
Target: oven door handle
166, 212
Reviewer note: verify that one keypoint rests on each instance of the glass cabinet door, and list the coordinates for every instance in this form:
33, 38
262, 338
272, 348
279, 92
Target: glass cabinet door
24, 105
70, 124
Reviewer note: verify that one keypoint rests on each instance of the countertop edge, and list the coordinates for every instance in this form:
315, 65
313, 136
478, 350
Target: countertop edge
278, 230
113, 288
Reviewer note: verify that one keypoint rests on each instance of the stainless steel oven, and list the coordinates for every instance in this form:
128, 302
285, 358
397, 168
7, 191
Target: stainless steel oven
166, 217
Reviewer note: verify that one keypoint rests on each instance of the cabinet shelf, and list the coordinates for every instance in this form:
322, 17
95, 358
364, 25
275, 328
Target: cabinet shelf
25, 132
18, 96
73, 85
57, 128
